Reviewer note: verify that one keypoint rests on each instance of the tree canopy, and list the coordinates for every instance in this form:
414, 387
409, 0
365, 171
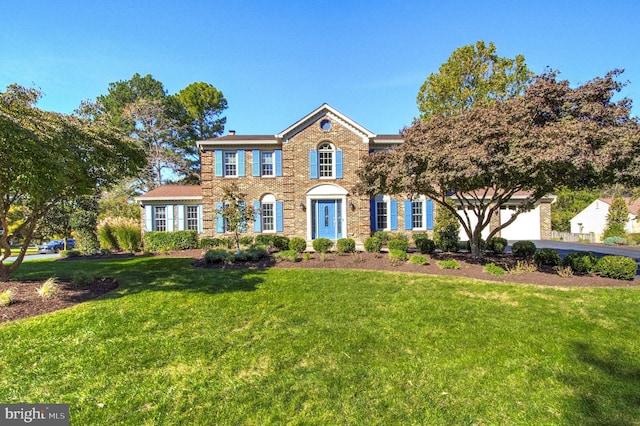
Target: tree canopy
47, 157
473, 74
553, 135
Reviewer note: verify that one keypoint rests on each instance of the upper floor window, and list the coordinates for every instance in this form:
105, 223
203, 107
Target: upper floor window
192, 218
266, 163
231, 163
325, 160
160, 215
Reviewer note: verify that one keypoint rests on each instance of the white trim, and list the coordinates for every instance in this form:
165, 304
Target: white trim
327, 191
202, 145
142, 199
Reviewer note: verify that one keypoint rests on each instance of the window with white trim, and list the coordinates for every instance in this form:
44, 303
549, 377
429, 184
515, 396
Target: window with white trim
192, 218
325, 160
382, 214
231, 163
160, 217
417, 215
267, 160
268, 213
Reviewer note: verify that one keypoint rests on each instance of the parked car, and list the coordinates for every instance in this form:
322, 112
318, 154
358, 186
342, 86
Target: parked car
54, 246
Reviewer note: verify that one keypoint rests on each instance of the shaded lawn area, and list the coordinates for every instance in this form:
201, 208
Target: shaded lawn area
179, 345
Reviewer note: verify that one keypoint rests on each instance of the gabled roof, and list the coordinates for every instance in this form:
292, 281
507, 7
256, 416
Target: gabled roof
634, 207
172, 192
323, 110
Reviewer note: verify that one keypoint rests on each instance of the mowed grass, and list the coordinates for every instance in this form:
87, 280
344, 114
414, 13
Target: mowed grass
180, 345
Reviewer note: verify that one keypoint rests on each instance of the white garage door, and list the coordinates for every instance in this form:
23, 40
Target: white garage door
525, 227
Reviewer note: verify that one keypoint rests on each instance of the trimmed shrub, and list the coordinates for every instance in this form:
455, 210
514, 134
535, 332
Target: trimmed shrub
289, 255
446, 230
82, 279
617, 267
425, 245
346, 245
217, 256
546, 257
448, 264
281, 242
493, 269
580, 262
398, 244
246, 240
298, 244
322, 245
373, 245
206, 243
497, 244
419, 236
398, 254
265, 239
165, 241
523, 249
383, 236
256, 253
416, 259
615, 241
69, 253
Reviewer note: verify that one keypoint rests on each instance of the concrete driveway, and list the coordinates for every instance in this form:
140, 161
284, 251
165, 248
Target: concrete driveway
33, 257
599, 250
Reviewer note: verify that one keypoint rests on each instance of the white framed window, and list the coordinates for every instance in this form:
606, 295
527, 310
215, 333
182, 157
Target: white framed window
417, 214
160, 217
268, 213
192, 218
230, 163
382, 214
326, 160
267, 166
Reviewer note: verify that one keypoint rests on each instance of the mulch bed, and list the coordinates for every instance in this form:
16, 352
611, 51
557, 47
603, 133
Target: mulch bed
27, 303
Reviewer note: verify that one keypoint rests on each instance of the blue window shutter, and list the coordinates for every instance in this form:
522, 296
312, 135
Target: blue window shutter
255, 162
257, 226
313, 164
200, 228
339, 164
170, 218
429, 214
394, 215
279, 224
408, 222
372, 214
218, 154
219, 218
241, 167
148, 218
278, 154
180, 217
243, 225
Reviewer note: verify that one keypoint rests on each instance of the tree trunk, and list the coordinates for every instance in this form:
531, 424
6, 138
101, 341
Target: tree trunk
477, 249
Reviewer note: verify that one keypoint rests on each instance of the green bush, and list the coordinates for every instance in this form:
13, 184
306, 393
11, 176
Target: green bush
298, 244
425, 245
398, 254
383, 236
446, 230
281, 242
397, 236
398, 244
167, 241
346, 245
523, 249
107, 238
580, 262
497, 244
217, 256
546, 257
419, 236
6, 297
615, 241
70, 253
289, 255
246, 240
82, 279
416, 259
256, 253
265, 239
493, 269
617, 267
373, 245
322, 245
448, 264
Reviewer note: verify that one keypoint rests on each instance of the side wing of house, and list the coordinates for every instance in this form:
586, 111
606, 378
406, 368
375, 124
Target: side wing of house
172, 208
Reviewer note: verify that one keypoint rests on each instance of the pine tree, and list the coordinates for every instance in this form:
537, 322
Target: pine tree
617, 218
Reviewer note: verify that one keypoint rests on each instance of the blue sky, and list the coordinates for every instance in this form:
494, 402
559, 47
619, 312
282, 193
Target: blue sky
277, 61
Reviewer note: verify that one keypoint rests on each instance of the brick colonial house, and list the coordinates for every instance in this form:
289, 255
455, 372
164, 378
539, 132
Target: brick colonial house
299, 181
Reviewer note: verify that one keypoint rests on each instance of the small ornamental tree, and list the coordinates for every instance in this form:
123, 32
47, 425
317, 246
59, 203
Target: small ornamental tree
617, 218
235, 212
446, 230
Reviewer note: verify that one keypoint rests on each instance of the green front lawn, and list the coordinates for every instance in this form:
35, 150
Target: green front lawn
180, 345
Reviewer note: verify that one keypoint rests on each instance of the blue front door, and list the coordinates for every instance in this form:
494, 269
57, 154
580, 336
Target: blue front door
326, 219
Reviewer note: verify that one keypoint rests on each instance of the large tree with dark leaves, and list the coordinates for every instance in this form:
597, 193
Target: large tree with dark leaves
553, 135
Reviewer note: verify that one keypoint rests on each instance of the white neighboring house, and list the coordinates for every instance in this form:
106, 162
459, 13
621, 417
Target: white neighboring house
594, 217
172, 208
